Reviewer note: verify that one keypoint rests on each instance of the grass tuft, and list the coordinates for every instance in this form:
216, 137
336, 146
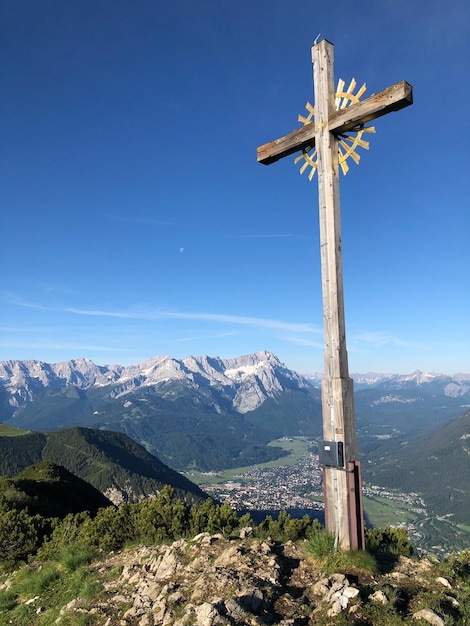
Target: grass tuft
51, 586
72, 558
7, 599
31, 581
320, 544
321, 547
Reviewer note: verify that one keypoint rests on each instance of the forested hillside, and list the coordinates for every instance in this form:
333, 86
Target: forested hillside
111, 462
19, 449
434, 464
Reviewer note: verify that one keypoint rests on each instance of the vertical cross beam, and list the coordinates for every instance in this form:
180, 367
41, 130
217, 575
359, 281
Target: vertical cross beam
341, 499
342, 479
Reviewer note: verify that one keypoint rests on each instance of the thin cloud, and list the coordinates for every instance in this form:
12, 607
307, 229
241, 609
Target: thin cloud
53, 345
150, 315
303, 341
261, 236
379, 339
155, 315
206, 337
30, 329
376, 338
135, 219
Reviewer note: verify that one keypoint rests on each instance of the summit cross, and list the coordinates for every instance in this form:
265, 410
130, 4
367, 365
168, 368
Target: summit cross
338, 450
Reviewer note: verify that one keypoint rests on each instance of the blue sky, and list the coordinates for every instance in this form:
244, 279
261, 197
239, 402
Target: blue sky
135, 220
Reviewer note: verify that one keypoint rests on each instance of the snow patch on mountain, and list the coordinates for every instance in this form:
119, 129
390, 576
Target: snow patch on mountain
392, 398
241, 372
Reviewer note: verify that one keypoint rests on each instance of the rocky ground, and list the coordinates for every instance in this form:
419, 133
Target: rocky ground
210, 580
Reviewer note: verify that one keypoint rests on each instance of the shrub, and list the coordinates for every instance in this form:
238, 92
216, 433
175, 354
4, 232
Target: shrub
110, 529
457, 565
394, 541
284, 528
163, 518
19, 534
213, 518
64, 533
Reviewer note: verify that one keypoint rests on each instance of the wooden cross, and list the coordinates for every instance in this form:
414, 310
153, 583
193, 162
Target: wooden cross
338, 451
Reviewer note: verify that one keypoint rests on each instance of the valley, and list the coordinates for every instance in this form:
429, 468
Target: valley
294, 483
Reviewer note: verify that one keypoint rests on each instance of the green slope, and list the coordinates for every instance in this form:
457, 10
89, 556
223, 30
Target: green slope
111, 460
12, 431
435, 464
50, 490
292, 413
18, 451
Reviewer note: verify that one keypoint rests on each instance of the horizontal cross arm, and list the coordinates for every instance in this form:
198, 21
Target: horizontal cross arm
299, 139
393, 98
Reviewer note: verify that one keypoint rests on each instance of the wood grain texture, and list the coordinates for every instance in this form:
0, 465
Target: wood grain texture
393, 98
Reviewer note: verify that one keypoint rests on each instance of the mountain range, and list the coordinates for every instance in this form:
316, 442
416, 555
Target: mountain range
209, 413
244, 382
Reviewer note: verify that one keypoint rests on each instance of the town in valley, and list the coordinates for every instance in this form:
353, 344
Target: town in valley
298, 489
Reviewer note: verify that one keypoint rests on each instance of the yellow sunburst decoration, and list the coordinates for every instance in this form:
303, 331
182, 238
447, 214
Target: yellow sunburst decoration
347, 142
